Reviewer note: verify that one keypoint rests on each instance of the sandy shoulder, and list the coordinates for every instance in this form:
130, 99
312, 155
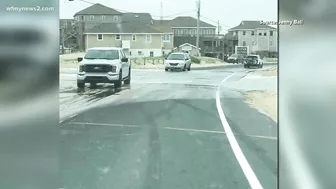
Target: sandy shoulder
264, 101
267, 73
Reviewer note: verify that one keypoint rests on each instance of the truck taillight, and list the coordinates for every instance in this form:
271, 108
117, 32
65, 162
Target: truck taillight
113, 68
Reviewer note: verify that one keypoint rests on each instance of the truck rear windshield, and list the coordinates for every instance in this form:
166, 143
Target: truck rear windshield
102, 54
252, 57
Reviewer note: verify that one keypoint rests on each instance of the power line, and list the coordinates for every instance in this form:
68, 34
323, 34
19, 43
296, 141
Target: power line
215, 22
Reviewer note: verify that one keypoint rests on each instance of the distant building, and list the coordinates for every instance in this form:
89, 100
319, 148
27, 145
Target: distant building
187, 48
68, 34
185, 31
261, 39
134, 32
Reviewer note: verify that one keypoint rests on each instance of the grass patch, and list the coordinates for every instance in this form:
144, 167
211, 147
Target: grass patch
195, 60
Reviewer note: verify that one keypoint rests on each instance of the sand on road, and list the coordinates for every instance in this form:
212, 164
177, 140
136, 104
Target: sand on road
264, 101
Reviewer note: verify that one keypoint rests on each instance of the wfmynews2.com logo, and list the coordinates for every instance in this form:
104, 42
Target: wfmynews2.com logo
30, 9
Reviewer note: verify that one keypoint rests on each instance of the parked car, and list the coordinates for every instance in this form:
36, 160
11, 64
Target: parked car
178, 61
253, 61
236, 59
104, 65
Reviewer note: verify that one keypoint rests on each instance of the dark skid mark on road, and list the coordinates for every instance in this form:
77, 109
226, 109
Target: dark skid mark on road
189, 105
154, 167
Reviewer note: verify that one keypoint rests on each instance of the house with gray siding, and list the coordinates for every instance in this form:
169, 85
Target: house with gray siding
259, 38
185, 30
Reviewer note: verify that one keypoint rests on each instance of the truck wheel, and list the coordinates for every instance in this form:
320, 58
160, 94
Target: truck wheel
80, 85
118, 83
128, 80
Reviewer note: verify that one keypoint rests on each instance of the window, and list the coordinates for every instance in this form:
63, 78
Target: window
130, 53
210, 31
166, 37
99, 37
185, 32
176, 56
271, 33
133, 37
82, 18
244, 43
151, 54
234, 33
91, 18
193, 32
265, 34
260, 34
244, 32
103, 17
102, 54
205, 32
115, 19
175, 31
252, 32
77, 18
139, 52
148, 38
117, 37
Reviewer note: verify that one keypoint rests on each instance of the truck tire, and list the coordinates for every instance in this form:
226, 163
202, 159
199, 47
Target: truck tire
118, 83
128, 80
80, 85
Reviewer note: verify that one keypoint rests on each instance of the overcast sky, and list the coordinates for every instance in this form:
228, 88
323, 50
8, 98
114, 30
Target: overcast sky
229, 12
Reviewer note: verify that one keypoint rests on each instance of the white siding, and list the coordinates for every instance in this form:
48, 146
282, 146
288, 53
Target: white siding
145, 52
256, 42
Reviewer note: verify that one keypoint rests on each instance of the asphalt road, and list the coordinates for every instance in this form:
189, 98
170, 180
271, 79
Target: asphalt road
164, 132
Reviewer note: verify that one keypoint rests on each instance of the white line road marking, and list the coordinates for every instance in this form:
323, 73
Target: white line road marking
172, 128
250, 175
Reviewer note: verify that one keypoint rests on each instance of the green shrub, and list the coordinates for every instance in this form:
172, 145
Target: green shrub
195, 60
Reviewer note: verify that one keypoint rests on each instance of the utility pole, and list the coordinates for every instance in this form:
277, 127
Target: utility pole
161, 12
198, 20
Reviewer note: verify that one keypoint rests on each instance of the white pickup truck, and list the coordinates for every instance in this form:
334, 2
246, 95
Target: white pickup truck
104, 65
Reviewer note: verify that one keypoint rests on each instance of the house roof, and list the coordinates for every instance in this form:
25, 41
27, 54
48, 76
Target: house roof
98, 9
144, 18
188, 21
250, 24
162, 25
188, 44
122, 28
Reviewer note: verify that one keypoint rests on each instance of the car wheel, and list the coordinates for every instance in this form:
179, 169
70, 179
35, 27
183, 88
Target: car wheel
189, 67
80, 85
166, 69
119, 82
184, 68
128, 80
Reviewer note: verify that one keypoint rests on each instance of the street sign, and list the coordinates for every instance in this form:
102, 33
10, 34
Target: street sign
242, 50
